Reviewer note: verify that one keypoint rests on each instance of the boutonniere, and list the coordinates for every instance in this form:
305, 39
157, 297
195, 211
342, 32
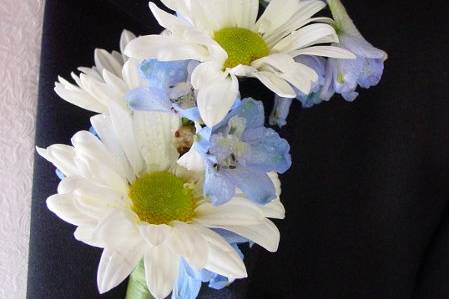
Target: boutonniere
178, 173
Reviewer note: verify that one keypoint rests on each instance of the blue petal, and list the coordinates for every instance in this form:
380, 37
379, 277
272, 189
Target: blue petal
237, 103
187, 287
281, 109
346, 73
192, 114
269, 152
371, 72
217, 186
145, 99
327, 90
230, 237
164, 74
310, 100
318, 64
206, 275
252, 111
249, 109
350, 96
93, 132
237, 249
361, 47
218, 282
257, 186
59, 174
203, 144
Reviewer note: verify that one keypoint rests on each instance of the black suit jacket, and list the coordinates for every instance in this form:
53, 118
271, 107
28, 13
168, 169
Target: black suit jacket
366, 198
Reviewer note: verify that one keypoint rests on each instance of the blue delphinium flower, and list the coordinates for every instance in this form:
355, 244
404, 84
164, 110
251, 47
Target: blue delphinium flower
240, 152
168, 88
343, 76
282, 105
318, 64
281, 109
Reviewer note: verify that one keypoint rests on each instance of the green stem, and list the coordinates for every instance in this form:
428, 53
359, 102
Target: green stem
137, 286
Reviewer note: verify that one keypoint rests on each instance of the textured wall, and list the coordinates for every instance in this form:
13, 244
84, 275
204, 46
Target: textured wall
20, 34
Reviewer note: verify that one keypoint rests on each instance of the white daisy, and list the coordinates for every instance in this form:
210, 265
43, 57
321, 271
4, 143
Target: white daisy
126, 194
109, 81
230, 41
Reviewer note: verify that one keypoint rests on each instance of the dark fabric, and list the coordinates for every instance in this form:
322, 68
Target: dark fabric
366, 199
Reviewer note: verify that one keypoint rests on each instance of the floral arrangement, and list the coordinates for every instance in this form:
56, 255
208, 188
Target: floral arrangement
177, 172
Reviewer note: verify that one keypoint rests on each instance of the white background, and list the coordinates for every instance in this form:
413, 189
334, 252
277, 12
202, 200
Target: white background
20, 35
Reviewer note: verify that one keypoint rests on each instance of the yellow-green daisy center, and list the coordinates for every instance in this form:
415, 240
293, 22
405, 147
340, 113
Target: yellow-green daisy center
242, 45
162, 197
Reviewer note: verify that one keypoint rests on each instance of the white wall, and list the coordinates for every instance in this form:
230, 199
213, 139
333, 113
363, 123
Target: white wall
20, 35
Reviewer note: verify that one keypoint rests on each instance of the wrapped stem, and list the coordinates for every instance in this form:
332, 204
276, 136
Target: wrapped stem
137, 286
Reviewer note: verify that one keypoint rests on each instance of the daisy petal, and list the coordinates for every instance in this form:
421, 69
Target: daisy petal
306, 36
297, 74
265, 234
155, 132
215, 100
243, 70
77, 96
222, 258
325, 51
86, 143
125, 38
302, 17
84, 234
245, 13
105, 130
116, 265
277, 13
117, 228
205, 73
233, 212
61, 156
97, 201
105, 61
192, 160
130, 74
187, 243
164, 48
275, 210
92, 168
276, 84
122, 123
161, 269
116, 84
166, 20
155, 234
63, 205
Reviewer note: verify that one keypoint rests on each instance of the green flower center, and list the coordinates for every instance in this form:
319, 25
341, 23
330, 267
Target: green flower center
162, 197
242, 45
